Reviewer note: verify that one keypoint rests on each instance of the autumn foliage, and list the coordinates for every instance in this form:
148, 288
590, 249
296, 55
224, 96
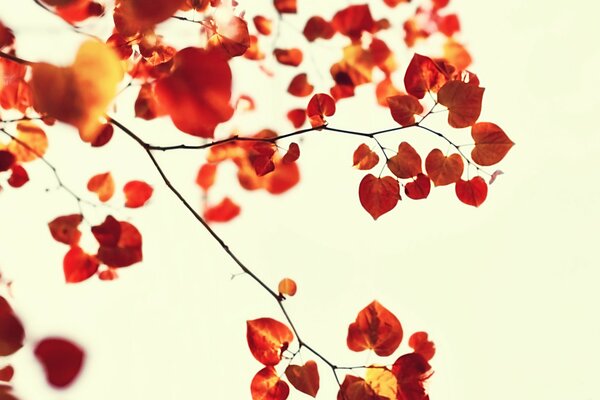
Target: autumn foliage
195, 89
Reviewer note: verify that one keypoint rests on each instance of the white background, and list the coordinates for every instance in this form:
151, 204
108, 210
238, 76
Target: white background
508, 291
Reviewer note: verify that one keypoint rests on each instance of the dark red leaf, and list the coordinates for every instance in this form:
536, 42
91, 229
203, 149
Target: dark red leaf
61, 359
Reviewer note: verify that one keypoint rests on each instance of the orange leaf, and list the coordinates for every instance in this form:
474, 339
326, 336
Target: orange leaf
263, 25
120, 243
61, 359
197, 92
292, 154
443, 170
491, 143
285, 177
225, 211
463, 101
137, 193
456, 54
285, 6
291, 57
423, 75
133, 16
12, 333
355, 388
421, 344
305, 378
78, 95
31, 144
472, 192
297, 117
287, 287
411, 371
266, 385
378, 195
320, 105
268, 339
64, 229
406, 163
103, 185
375, 328
364, 158
206, 176
403, 108
299, 86
384, 90
79, 266
419, 188
317, 27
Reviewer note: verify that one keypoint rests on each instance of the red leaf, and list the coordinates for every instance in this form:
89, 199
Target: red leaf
421, 344
268, 339
197, 92
12, 333
378, 195
137, 193
18, 176
419, 189
266, 385
64, 229
406, 163
317, 27
107, 233
299, 86
287, 287
297, 117
472, 192
353, 21
106, 133
443, 170
385, 89
206, 176
292, 154
320, 105
411, 371
292, 57
403, 108
285, 6
120, 243
79, 266
7, 159
364, 158
304, 378
285, 177
61, 359
375, 328
140, 15
108, 274
103, 185
463, 101
423, 75
6, 374
225, 211
491, 143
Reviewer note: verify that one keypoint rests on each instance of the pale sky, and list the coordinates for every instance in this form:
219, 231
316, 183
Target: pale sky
507, 291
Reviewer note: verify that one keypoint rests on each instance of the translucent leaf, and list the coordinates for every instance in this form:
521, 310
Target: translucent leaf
491, 143
79, 266
268, 339
266, 385
364, 158
375, 328
287, 287
224, 211
463, 101
103, 185
305, 378
137, 193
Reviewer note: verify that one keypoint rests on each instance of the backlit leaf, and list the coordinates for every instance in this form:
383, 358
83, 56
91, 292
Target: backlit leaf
31, 144
206, 176
285, 6
61, 359
382, 381
266, 385
421, 344
299, 86
364, 158
411, 371
355, 388
268, 339
103, 185
120, 243
263, 25
378, 195
472, 192
403, 108
491, 143
197, 92
353, 20
305, 378
443, 170
64, 229
78, 265
224, 211
133, 16
137, 193
423, 75
320, 105
297, 117
375, 328
12, 333
287, 287
292, 57
406, 163
463, 101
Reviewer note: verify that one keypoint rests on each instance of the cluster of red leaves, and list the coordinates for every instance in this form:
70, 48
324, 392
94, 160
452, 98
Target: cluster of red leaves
375, 328
460, 93
60, 359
